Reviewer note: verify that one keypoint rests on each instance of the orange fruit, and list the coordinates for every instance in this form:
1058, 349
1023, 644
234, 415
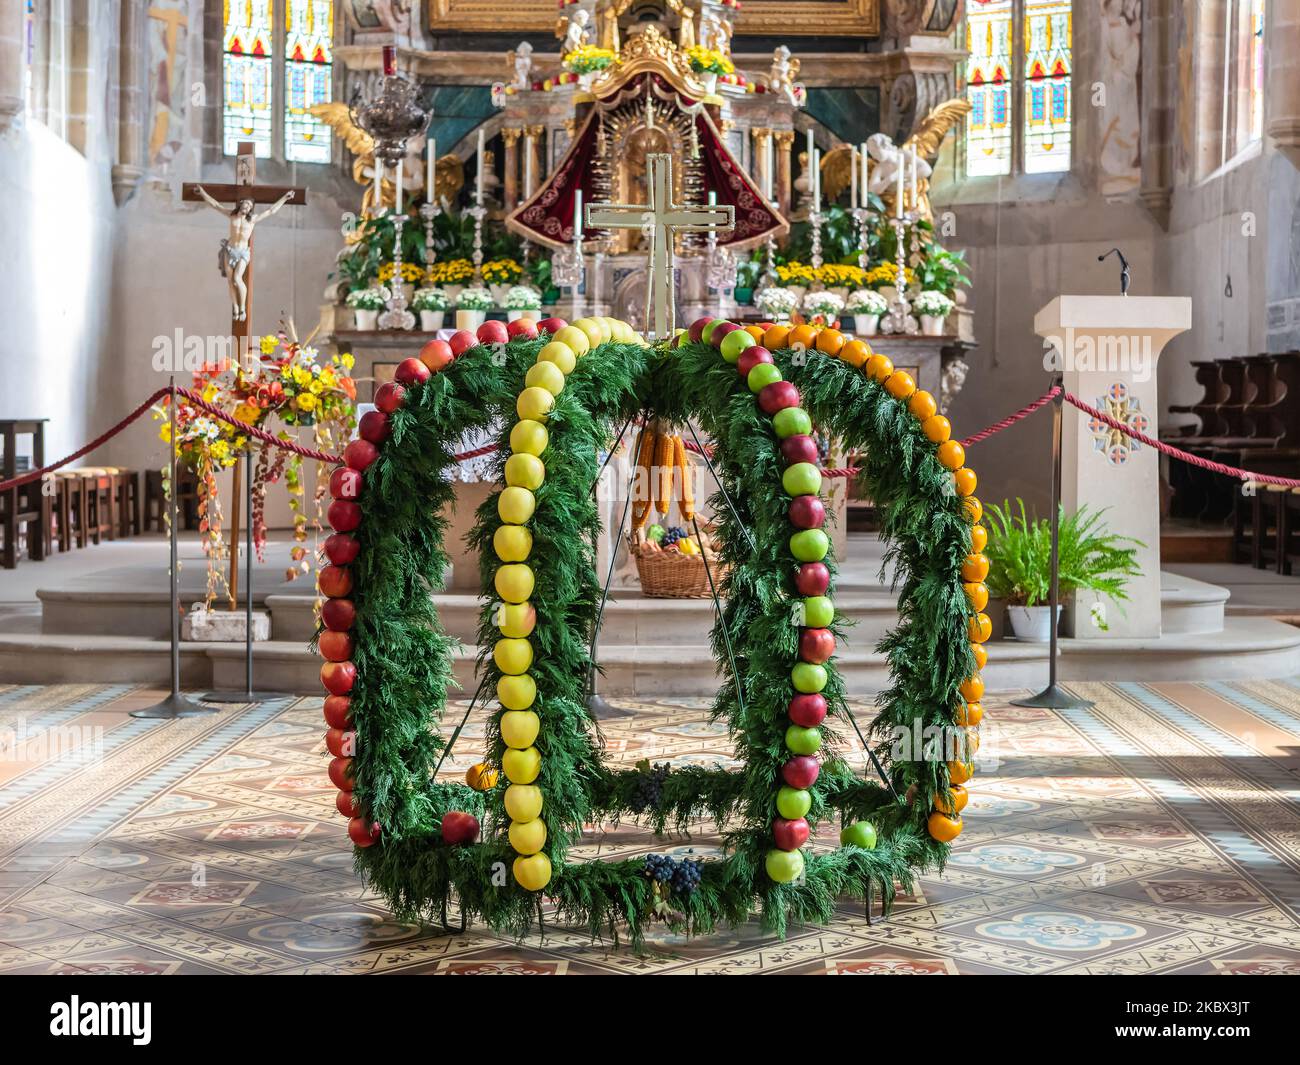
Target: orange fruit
802, 336
855, 353
830, 341
979, 627
960, 772
899, 384
776, 338
972, 689
964, 480
757, 332
981, 655
979, 536
953, 801
977, 594
879, 367
481, 776
951, 455
974, 568
970, 714
943, 828
974, 509
937, 428
922, 406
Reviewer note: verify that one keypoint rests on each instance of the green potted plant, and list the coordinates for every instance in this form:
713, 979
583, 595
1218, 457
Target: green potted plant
472, 306
933, 307
746, 278
520, 301
1019, 549
431, 304
366, 303
866, 305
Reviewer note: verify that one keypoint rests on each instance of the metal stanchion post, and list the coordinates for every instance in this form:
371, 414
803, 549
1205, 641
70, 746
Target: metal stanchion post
248, 695
176, 704
1054, 697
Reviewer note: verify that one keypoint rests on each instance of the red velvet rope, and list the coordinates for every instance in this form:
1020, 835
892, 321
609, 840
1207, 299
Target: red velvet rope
1011, 419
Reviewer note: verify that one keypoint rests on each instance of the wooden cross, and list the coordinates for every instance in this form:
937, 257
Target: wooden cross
241, 329
661, 220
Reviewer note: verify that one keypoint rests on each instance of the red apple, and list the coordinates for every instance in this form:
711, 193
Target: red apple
807, 711
374, 427
347, 805
789, 835
362, 832
800, 448
459, 828
816, 645
551, 325
493, 332
720, 331
345, 483
522, 329
338, 677
813, 578
800, 771
339, 615
461, 341
341, 773
776, 396
436, 355
807, 512
751, 357
338, 711
390, 395
335, 581
340, 548
343, 515
411, 372
342, 743
360, 453
336, 646
696, 330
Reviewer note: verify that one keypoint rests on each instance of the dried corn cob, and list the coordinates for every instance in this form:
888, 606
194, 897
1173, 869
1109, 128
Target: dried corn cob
688, 492
642, 483
664, 464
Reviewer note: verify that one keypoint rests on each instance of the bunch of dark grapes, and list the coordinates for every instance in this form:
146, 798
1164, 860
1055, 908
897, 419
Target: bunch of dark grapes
682, 877
674, 534
686, 877
659, 867
649, 788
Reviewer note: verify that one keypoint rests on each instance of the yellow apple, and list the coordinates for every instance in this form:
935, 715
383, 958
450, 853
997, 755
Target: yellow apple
518, 729
512, 543
521, 767
534, 404
525, 471
514, 582
532, 872
516, 505
545, 375
517, 693
528, 837
559, 354
523, 801
516, 620
529, 438
573, 338
513, 657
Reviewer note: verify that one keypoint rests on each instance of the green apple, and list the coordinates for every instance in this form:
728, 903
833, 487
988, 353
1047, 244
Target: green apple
792, 803
760, 376
801, 479
707, 333
791, 421
802, 740
734, 343
818, 612
784, 867
808, 678
859, 834
809, 545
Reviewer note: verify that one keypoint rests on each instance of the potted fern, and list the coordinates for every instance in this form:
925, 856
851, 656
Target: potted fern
1019, 549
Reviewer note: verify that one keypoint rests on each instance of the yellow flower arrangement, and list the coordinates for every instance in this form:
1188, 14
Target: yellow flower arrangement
268, 344
795, 273
588, 59
411, 273
451, 272
502, 272
707, 61
886, 274
837, 275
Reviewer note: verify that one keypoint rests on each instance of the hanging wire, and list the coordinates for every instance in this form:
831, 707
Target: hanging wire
456, 735
722, 621
730, 506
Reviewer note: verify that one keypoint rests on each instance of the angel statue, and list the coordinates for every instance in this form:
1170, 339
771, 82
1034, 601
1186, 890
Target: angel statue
575, 31
886, 157
521, 63
449, 177
236, 250
780, 79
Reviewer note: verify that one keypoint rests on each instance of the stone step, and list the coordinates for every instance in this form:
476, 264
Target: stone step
1190, 606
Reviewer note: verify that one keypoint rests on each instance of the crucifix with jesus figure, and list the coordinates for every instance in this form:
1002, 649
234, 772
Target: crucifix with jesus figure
235, 260
661, 220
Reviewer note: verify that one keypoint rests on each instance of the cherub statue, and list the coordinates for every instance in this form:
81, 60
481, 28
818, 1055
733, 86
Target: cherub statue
780, 79
236, 251
521, 63
575, 31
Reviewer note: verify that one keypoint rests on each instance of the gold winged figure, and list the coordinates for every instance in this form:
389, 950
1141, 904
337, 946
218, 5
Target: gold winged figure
926, 140
450, 174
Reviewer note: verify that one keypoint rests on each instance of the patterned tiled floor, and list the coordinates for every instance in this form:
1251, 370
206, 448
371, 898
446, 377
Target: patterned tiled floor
1157, 832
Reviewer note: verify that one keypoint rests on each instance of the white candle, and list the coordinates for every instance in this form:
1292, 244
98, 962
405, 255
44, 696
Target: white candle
898, 196
379, 185
478, 188
398, 193
430, 168
812, 145
713, 198
817, 180
577, 215
853, 177
862, 151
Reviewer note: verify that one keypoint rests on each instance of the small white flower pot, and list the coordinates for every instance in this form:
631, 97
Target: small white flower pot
932, 324
431, 321
1032, 624
366, 320
524, 312
866, 324
470, 320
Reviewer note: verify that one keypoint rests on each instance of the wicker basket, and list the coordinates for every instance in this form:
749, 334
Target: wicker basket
672, 575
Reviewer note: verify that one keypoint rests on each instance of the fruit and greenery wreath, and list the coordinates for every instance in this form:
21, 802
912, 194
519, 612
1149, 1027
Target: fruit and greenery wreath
494, 845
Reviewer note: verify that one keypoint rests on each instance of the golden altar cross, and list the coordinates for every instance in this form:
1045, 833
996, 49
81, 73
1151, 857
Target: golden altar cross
661, 220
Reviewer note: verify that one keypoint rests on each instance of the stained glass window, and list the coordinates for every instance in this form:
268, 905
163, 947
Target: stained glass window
247, 70
988, 87
309, 37
1047, 86
1257, 69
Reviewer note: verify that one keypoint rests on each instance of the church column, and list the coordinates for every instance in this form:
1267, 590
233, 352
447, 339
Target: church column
129, 166
1159, 77
1283, 80
533, 158
784, 142
511, 139
12, 65
762, 138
